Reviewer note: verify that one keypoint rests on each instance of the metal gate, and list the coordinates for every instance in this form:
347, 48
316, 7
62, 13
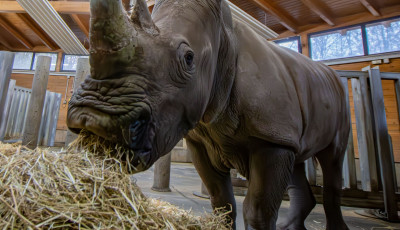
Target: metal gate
378, 188
16, 111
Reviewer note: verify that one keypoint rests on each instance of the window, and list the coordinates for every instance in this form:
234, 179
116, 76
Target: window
22, 60
383, 36
53, 60
359, 40
337, 44
292, 43
70, 62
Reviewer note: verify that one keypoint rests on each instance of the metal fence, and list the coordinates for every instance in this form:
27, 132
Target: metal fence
378, 187
16, 111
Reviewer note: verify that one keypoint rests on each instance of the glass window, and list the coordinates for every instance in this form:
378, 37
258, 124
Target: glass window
70, 62
383, 36
337, 44
53, 60
22, 60
291, 43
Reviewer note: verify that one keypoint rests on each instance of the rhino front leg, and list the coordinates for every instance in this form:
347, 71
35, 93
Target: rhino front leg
270, 170
218, 183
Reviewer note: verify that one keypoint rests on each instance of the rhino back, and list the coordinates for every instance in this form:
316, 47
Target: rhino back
285, 97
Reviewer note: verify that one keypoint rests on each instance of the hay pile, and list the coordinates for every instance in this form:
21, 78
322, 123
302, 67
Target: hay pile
77, 189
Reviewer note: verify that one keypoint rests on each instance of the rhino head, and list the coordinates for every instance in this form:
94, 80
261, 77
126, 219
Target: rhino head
153, 77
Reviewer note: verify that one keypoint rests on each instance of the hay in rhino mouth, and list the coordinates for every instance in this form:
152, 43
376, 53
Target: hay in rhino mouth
104, 148
77, 189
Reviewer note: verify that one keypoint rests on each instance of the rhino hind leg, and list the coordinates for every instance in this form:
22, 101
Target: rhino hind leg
331, 161
270, 170
302, 200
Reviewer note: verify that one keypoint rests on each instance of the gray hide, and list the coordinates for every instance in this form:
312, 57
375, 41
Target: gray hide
240, 101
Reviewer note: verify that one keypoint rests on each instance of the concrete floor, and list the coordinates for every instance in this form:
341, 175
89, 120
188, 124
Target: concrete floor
185, 181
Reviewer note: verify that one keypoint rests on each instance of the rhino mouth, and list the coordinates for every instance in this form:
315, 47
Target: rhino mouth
118, 111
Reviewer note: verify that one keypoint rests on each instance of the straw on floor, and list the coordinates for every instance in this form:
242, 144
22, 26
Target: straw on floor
81, 189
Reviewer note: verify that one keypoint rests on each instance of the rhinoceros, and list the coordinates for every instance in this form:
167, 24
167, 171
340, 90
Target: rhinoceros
189, 70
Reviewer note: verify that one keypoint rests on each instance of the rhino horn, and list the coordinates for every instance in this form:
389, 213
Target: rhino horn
113, 38
141, 18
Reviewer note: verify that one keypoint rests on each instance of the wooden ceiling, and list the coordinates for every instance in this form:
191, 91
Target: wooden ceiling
19, 32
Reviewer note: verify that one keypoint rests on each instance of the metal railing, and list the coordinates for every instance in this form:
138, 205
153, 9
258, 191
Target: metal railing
16, 111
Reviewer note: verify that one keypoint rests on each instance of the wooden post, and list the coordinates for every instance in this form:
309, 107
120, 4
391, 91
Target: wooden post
35, 107
6, 110
6, 63
162, 171
384, 148
349, 164
363, 114
82, 71
311, 172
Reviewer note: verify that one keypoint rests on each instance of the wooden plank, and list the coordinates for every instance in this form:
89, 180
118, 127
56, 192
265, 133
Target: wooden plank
81, 26
317, 7
382, 136
349, 164
366, 149
5, 43
46, 40
35, 107
285, 19
21, 38
371, 7
6, 63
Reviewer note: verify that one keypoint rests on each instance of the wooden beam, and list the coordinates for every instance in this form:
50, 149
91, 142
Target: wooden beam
46, 40
371, 6
4, 43
317, 7
61, 7
285, 19
23, 40
80, 24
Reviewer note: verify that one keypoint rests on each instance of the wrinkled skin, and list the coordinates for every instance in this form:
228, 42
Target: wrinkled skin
241, 102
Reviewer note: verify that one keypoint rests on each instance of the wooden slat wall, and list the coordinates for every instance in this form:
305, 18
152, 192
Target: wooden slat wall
56, 84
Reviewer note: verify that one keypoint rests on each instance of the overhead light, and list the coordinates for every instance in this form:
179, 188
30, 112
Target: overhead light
52, 23
253, 23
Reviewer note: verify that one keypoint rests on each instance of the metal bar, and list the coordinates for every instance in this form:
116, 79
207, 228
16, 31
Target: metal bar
349, 164
54, 117
382, 135
390, 76
366, 149
6, 63
6, 110
311, 172
351, 74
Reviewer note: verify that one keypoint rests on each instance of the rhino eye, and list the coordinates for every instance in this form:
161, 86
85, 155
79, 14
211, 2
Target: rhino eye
189, 58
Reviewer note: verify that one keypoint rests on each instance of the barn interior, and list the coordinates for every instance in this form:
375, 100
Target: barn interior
358, 38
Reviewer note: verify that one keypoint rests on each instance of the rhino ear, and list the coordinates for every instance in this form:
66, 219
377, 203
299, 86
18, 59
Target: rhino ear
141, 17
